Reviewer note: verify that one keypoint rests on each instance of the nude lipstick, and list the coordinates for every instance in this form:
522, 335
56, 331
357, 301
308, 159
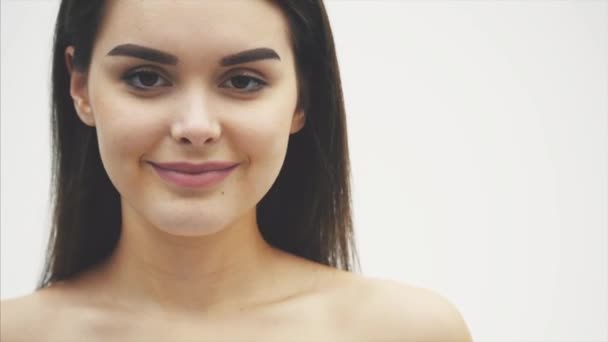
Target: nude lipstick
192, 175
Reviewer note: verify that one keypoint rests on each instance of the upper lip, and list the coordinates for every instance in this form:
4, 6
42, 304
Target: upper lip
194, 167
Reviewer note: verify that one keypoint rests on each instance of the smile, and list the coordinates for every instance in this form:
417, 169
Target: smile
193, 179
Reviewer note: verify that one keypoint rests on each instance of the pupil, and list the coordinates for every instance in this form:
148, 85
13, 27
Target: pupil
240, 81
147, 78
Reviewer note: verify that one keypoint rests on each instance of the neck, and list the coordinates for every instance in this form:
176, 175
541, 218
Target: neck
155, 270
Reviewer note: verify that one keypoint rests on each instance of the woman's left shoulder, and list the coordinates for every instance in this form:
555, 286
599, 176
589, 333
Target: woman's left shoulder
389, 310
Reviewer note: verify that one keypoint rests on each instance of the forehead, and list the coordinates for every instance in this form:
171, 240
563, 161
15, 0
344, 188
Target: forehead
194, 28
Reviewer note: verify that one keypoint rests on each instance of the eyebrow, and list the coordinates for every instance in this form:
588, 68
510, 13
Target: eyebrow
153, 55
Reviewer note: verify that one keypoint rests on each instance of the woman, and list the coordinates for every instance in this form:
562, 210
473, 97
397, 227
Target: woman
202, 184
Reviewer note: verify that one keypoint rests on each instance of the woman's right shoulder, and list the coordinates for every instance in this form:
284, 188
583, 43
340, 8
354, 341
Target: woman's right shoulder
18, 316
29, 317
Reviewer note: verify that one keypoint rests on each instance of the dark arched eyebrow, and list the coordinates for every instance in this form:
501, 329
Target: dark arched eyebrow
249, 56
157, 56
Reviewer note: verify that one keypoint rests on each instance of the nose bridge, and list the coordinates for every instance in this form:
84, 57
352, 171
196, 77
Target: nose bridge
196, 105
195, 122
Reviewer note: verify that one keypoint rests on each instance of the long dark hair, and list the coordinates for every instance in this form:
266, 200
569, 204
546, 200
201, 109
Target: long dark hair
307, 211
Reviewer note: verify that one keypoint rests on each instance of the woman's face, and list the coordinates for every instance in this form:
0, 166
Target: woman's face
219, 84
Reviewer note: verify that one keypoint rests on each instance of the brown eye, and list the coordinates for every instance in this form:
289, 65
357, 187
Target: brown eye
244, 83
240, 82
145, 79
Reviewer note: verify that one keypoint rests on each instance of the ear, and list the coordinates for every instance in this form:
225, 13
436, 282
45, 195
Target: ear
78, 90
297, 122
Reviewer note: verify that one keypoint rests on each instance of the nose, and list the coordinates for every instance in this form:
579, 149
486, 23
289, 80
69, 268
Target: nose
195, 124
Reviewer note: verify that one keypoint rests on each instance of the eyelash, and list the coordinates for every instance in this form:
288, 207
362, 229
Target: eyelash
130, 76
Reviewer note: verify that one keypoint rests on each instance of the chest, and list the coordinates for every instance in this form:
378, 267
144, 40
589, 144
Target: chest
303, 326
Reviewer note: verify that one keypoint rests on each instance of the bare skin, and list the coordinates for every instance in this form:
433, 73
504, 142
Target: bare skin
313, 303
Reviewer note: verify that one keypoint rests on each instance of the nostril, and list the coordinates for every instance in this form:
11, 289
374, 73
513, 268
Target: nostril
190, 141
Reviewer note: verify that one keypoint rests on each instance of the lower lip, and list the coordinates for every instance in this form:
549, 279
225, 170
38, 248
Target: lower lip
198, 180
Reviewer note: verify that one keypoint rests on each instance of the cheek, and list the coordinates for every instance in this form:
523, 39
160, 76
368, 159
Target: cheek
262, 139
125, 133
263, 135
265, 140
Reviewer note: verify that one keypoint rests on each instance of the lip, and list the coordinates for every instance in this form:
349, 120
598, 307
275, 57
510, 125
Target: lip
189, 175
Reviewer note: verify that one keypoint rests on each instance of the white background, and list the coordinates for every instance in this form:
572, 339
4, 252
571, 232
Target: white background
478, 134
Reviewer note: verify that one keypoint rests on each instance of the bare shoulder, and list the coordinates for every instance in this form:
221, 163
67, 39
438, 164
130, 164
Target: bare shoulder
18, 317
393, 311
11, 318
31, 317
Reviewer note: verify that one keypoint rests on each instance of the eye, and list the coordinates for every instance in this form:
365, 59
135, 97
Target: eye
244, 83
145, 79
